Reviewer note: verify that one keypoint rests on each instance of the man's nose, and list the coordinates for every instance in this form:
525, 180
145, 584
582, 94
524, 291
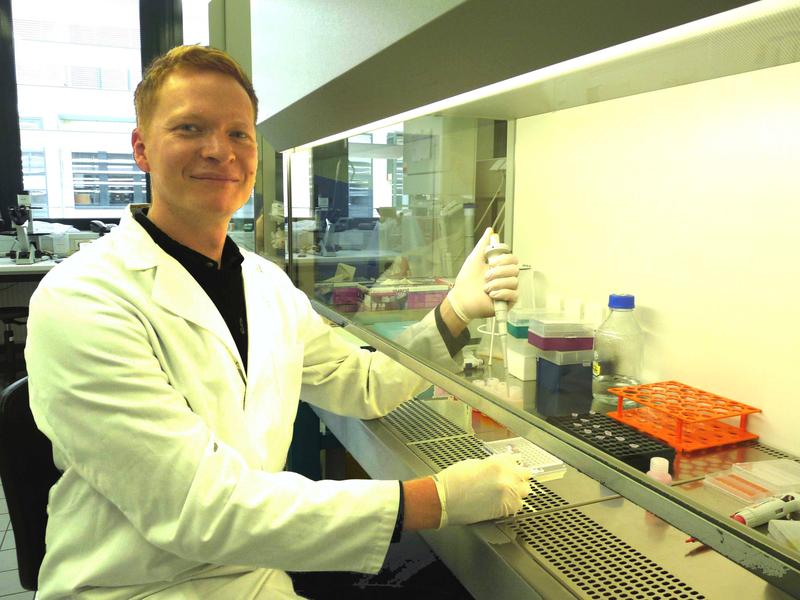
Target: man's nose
217, 146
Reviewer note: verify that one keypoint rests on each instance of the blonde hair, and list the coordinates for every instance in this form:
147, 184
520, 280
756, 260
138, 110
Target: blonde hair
190, 57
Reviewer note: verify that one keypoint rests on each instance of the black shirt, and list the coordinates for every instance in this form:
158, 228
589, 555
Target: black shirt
221, 281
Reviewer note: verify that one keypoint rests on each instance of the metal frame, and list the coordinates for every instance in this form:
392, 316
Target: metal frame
731, 539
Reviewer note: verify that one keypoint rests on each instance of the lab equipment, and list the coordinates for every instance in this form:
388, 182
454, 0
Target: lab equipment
488, 330
776, 507
494, 251
556, 331
569, 378
65, 244
685, 417
101, 228
470, 360
346, 296
543, 465
26, 253
527, 295
753, 481
618, 345
617, 439
785, 532
520, 355
659, 470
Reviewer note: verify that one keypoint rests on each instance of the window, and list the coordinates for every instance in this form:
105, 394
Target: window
77, 64
102, 179
34, 178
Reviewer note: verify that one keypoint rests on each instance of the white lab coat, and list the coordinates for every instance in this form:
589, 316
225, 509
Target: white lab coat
172, 455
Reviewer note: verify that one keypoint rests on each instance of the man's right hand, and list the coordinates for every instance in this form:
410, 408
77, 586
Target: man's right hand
478, 490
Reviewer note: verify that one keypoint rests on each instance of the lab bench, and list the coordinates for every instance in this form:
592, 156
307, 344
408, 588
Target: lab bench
574, 538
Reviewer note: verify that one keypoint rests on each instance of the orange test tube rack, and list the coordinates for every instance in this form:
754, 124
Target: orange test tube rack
686, 418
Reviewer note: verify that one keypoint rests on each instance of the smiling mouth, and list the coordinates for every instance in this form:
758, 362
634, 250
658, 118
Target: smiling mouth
215, 178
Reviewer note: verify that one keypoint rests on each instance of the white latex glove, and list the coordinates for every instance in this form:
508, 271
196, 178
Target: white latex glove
478, 490
477, 285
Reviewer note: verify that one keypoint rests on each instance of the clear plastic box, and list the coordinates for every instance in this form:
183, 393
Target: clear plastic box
557, 325
544, 466
575, 357
756, 480
555, 332
780, 475
518, 321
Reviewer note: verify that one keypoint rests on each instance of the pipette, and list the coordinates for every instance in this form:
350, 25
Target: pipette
776, 507
493, 253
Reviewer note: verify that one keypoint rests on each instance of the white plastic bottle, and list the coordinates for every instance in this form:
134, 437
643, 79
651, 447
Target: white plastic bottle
659, 470
618, 345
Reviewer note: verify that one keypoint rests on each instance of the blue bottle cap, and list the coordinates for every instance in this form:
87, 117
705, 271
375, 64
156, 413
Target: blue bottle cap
621, 301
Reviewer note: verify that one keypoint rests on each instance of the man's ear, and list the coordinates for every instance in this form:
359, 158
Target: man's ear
139, 154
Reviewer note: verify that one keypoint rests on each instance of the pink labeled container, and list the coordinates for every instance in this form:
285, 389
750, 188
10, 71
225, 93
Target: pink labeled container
428, 296
554, 331
560, 343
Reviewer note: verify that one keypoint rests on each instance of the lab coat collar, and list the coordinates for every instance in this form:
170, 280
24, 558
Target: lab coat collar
174, 289
133, 235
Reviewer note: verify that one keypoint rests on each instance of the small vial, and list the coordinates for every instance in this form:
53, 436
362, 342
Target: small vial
659, 470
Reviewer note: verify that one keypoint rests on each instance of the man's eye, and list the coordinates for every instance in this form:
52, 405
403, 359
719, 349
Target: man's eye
241, 135
188, 127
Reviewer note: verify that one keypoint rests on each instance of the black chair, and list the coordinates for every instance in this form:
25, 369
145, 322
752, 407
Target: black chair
11, 315
28, 473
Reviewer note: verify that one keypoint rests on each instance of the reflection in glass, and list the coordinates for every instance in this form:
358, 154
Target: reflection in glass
383, 221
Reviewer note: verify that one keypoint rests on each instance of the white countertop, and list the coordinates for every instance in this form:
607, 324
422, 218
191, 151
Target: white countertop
9, 267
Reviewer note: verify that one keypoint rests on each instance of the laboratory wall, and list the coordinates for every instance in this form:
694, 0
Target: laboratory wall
688, 198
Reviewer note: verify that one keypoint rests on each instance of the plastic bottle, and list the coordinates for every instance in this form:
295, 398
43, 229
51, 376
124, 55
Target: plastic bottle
618, 344
659, 470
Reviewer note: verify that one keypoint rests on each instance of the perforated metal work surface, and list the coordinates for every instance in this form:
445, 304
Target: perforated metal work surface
415, 422
440, 454
770, 451
594, 562
540, 498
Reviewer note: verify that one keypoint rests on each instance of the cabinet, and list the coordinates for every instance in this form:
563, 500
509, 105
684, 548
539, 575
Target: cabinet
497, 155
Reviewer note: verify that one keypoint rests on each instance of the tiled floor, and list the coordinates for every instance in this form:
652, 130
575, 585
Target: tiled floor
10, 589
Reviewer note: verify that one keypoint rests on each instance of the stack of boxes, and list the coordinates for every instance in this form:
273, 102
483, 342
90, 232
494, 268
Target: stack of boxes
565, 353
347, 297
410, 294
426, 296
550, 348
520, 355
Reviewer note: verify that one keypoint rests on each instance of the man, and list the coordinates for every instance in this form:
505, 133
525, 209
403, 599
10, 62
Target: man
166, 366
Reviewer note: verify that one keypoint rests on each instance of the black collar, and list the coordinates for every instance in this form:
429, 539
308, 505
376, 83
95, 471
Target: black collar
231, 256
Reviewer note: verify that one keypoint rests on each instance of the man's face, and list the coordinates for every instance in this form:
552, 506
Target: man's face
199, 146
